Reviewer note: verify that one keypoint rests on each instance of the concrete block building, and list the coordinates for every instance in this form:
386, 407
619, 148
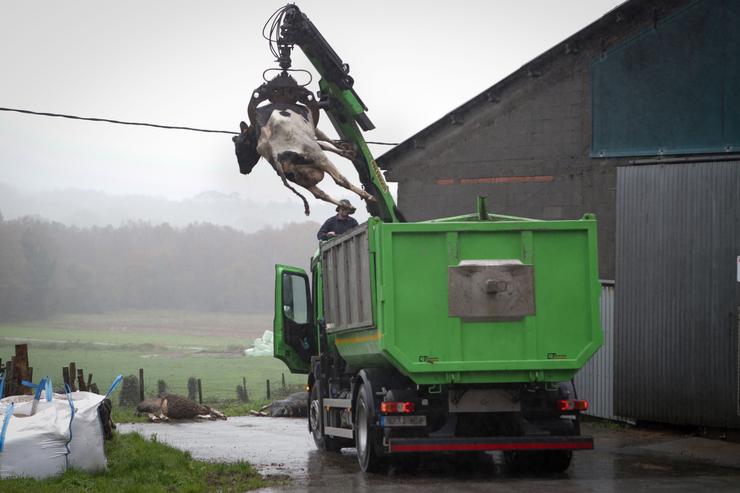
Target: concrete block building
636, 118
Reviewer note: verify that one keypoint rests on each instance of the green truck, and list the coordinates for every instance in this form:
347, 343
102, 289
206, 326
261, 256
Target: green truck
460, 334
448, 335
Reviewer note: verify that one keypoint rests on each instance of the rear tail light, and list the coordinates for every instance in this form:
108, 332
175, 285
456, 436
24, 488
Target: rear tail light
580, 405
397, 407
564, 405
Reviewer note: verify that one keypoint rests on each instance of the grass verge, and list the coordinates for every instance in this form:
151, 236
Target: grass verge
136, 464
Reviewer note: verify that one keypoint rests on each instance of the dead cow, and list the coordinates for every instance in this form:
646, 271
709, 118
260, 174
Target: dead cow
295, 405
173, 406
285, 134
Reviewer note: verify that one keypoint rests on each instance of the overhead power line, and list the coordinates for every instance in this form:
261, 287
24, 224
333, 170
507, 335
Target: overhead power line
118, 122
139, 124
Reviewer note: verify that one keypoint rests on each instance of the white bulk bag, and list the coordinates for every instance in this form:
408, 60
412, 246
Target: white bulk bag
86, 449
65, 432
35, 446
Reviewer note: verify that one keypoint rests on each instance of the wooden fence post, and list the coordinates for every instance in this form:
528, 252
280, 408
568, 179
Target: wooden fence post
72, 376
200, 392
268, 388
21, 369
81, 380
283, 382
141, 384
9, 377
65, 375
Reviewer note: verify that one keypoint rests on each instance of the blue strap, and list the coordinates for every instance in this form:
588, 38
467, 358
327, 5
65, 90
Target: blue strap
113, 386
43, 386
49, 390
39, 387
72, 418
8, 414
2, 386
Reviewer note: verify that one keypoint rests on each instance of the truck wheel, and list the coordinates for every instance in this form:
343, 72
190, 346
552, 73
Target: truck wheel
367, 439
545, 461
557, 460
315, 422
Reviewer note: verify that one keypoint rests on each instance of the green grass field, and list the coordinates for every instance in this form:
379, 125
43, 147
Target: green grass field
169, 346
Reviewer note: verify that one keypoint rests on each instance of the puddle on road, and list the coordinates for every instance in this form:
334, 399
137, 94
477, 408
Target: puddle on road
282, 447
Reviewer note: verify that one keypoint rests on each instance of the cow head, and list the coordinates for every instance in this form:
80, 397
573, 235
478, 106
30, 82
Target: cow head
245, 145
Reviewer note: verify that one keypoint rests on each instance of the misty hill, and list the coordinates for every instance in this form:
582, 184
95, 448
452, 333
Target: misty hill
47, 267
85, 208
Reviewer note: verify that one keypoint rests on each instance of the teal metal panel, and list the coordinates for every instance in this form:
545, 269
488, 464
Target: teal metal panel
672, 89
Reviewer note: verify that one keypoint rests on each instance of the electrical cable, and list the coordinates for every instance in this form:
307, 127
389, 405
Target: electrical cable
118, 122
142, 124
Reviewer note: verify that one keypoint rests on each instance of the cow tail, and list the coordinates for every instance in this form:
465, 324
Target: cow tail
280, 171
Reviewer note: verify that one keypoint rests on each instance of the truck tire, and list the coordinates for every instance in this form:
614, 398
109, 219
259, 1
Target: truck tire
316, 424
367, 439
548, 461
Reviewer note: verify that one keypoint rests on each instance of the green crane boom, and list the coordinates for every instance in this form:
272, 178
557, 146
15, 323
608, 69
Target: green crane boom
338, 99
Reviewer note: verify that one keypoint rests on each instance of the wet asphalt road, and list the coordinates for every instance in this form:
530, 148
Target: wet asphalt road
624, 460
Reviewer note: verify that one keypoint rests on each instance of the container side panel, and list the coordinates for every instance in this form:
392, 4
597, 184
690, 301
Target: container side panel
486, 340
563, 298
346, 274
366, 313
422, 328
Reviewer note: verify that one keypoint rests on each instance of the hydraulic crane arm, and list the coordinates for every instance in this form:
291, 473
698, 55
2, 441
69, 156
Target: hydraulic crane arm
340, 101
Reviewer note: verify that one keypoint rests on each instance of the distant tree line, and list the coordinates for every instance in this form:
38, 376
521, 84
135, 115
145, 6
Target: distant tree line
47, 267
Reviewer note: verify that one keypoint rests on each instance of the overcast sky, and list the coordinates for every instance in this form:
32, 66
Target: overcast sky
194, 63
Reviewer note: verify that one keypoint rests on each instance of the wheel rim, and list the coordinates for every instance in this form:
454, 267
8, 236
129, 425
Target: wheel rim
362, 429
313, 417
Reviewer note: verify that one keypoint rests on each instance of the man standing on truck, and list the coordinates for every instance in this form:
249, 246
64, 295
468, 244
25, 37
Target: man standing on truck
341, 223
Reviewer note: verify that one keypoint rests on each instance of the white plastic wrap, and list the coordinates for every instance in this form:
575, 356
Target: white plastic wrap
262, 346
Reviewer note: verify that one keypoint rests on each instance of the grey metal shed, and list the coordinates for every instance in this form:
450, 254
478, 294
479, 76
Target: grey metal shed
677, 358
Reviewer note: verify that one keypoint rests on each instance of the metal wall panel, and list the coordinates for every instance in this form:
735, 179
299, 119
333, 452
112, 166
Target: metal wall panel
346, 279
595, 381
684, 69
678, 238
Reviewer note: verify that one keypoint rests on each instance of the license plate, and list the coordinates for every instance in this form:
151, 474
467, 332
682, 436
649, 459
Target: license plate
403, 420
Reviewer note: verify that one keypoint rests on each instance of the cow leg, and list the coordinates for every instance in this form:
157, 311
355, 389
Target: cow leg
321, 195
329, 146
340, 180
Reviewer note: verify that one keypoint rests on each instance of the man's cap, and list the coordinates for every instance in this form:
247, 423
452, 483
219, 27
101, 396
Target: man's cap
345, 204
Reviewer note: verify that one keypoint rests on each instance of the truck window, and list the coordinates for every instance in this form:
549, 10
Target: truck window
295, 298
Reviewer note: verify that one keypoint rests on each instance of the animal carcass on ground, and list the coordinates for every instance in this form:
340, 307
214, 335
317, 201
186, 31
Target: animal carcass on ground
284, 132
173, 406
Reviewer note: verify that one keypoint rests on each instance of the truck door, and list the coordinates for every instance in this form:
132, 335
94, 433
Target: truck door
295, 333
